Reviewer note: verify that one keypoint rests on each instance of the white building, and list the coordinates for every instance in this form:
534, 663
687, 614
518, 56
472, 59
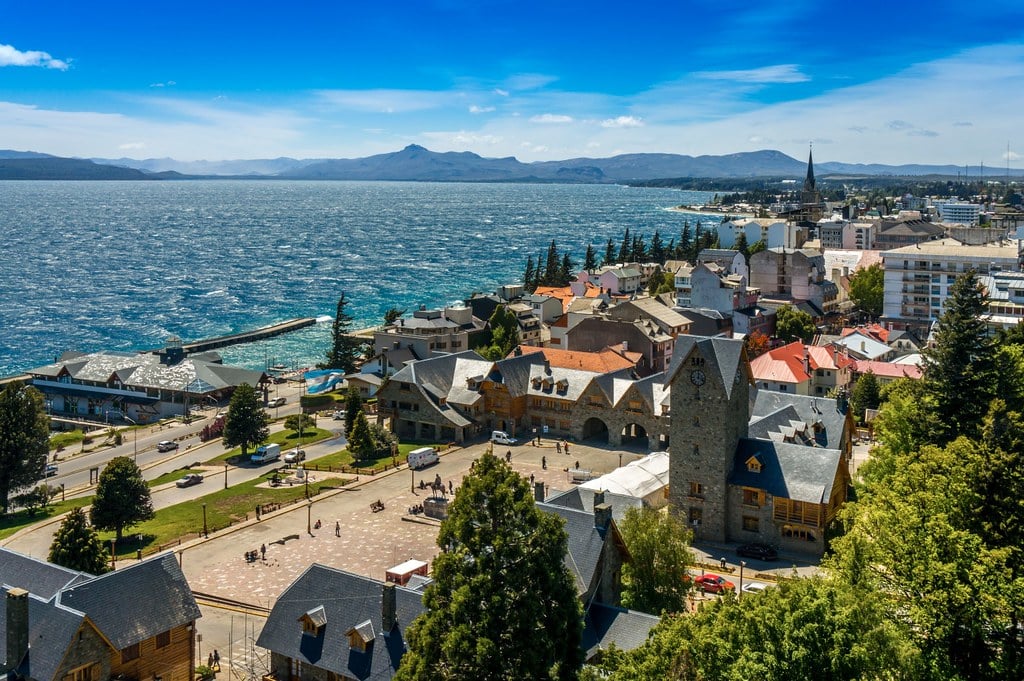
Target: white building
958, 212
774, 232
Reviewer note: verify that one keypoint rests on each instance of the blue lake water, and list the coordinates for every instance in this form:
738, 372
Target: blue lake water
124, 265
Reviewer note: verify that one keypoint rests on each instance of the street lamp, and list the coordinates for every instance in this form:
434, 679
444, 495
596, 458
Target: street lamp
743, 564
225, 475
206, 532
309, 512
113, 553
135, 453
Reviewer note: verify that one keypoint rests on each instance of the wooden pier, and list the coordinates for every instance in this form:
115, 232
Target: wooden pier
248, 336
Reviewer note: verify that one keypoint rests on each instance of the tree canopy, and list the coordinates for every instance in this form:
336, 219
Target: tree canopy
866, 394
122, 497
792, 324
247, 424
76, 545
24, 439
345, 351
866, 286
504, 334
502, 605
655, 580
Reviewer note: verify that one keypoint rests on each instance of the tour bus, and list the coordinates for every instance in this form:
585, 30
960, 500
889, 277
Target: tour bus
422, 457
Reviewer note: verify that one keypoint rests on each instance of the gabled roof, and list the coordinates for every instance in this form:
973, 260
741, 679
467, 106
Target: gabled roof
51, 631
136, 602
864, 344
786, 364
349, 601
602, 361
806, 409
888, 369
789, 471
586, 544
605, 625
36, 576
723, 356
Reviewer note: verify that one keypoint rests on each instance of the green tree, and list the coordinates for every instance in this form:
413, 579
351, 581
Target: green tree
742, 246
551, 264
683, 250
345, 351
655, 580
529, 276
866, 394
76, 545
565, 270
657, 248
802, 629
392, 315
590, 258
626, 247
755, 248
353, 407
504, 334
24, 439
299, 422
866, 287
609, 253
247, 423
959, 369
360, 441
792, 324
122, 497
502, 605
37, 498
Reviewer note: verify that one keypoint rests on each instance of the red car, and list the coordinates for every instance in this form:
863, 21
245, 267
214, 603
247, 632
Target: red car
714, 584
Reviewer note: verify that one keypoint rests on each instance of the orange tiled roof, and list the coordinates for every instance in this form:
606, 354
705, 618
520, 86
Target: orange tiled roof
786, 364
887, 369
599, 362
876, 331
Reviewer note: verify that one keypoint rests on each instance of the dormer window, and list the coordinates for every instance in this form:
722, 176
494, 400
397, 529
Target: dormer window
536, 382
562, 385
361, 636
314, 621
753, 465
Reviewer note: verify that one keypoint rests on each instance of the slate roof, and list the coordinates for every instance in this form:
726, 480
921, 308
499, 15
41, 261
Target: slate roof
723, 356
51, 631
581, 499
586, 544
136, 602
605, 624
789, 471
36, 576
349, 601
807, 409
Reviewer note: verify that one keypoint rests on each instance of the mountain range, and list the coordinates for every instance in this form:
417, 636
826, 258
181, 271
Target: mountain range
415, 163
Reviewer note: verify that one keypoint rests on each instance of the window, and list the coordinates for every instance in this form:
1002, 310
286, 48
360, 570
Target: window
750, 524
696, 489
695, 515
132, 652
751, 497
163, 639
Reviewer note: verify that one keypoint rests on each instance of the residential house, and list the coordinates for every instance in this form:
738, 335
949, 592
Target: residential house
886, 372
835, 233
863, 345
61, 625
716, 289
793, 275
730, 261
547, 308
531, 331
430, 332
802, 369
774, 232
141, 386
616, 279
596, 332
649, 309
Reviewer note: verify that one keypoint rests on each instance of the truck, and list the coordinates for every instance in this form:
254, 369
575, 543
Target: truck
267, 453
422, 457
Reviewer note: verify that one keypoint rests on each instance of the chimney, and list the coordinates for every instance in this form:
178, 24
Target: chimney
625, 347
17, 627
602, 516
598, 498
547, 366
518, 351
388, 608
538, 491
807, 361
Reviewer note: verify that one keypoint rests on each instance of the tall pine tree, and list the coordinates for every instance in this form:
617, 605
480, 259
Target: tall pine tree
609, 253
345, 351
551, 266
626, 247
528, 282
76, 545
685, 243
590, 259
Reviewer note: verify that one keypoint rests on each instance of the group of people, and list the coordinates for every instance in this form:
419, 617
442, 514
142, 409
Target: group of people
213, 661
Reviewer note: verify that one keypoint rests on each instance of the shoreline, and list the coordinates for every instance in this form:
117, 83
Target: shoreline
704, 210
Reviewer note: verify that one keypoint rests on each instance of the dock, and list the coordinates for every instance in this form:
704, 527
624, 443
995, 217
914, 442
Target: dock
248, 336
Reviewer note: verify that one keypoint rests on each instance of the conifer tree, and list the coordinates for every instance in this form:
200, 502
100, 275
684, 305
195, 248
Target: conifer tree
551, 266
76, 545
657, 248
24, 438
698, 240
742, 246
122, 497
345, 351
353, 405
590, 259
866, 394
528, 276
959, 368
503, 605
360, 442
685, 243
609, 253
565, 269
247, 423
625, 248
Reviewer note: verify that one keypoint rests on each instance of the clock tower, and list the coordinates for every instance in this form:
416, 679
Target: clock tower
710, 408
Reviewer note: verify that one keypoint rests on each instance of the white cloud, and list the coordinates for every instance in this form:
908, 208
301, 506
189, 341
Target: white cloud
385, 101
551, 118
1011, 156
474, 109
500, 92
780, 73
132, 145
460, 140
169, 83
622, 122
11, 56
528, 81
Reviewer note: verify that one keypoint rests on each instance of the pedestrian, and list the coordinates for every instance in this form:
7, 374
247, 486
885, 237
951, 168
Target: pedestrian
544, 462
565, 446
721, 561
263, 551
558, 447
216, 660
577, 465
508, 456
337, 528
209, 660
451, 487
531, 479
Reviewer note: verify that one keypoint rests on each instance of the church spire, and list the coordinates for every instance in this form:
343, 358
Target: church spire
809, 180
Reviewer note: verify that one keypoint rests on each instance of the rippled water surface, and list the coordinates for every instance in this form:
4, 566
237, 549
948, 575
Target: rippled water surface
124, 265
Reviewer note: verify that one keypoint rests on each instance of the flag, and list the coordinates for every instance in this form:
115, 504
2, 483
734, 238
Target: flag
323, 381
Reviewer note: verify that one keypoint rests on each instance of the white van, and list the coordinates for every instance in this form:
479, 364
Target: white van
422, 457
500, 437
266, 454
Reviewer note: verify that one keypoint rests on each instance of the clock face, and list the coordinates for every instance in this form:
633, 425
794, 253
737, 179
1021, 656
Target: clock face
697, 377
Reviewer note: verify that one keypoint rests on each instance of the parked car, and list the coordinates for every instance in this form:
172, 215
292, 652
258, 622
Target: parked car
276, 401
754, 587
759, 551
295, 455
714, 584
51, 470
500, 437
166, 445
339, 416
189, 480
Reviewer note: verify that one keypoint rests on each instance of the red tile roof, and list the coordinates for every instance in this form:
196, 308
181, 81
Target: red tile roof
786, 364
887, 369
599, 362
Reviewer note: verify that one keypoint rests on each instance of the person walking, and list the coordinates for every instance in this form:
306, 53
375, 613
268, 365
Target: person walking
544, 462
508, 456
451, 487
216, 661
337, 528
565, 446
263, 551
558, 447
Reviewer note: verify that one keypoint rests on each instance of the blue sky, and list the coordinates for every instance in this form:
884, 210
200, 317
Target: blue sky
908, 82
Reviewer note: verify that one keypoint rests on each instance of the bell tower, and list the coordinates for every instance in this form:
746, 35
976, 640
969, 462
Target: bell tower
710, 408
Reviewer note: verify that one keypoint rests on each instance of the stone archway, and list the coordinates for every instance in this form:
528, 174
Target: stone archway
634, 435
595, 429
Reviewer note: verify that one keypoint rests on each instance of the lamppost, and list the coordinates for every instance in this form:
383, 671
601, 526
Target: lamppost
743, 564
225, 475
309, 513
206, 532
113, 553
135, 453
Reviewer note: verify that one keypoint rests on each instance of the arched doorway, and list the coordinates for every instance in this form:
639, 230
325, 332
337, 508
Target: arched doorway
596, 430
634, 436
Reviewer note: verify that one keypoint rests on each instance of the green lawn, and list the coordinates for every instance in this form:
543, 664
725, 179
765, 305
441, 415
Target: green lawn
66, 439
222, 508
286, 438
343, 458
12, 523
174, 475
